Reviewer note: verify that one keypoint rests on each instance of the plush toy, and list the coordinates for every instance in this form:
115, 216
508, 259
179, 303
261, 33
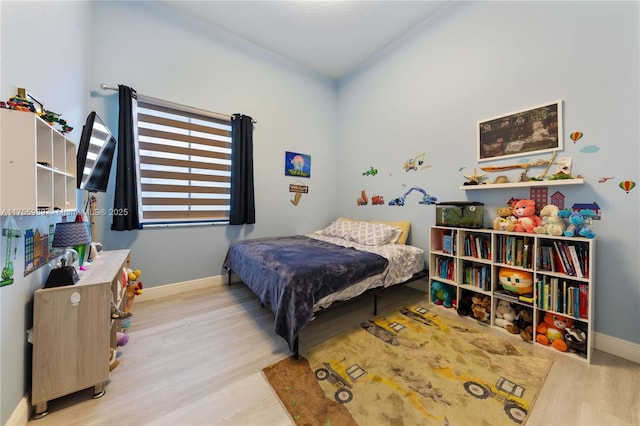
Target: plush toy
440, 294
121, 339
552, 329
525, 212
506, 316
578, 223
576, 339
525, 323
132, 291
133, 275
516, 281
552, 223
464, 306
113, 362
481, 307
505, 221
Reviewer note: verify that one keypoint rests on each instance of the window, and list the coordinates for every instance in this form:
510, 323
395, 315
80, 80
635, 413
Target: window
184, 158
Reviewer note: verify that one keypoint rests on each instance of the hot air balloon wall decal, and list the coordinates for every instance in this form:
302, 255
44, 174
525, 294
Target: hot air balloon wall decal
575, 136
627, 185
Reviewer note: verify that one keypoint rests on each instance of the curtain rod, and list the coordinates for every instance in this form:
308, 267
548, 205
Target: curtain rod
104, 86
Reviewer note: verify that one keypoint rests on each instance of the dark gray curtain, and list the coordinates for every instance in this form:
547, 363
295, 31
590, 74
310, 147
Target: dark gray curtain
243, 208
126, 191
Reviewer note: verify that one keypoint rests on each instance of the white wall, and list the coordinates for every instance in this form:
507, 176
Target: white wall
44, 49
478, 60
180, 60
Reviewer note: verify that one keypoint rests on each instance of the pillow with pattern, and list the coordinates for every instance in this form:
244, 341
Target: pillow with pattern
402, 225
338, 228
371, 234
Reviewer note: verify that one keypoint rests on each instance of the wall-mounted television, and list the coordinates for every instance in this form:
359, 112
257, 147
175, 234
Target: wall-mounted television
95, 155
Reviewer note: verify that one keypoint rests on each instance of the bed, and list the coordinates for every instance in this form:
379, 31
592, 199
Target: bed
298, 276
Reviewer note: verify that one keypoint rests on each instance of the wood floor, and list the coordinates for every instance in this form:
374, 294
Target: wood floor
196, 360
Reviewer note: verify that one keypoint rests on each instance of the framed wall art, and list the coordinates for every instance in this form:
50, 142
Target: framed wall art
296, 164
529, 131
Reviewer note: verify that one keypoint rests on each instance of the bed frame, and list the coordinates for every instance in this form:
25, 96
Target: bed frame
374, 291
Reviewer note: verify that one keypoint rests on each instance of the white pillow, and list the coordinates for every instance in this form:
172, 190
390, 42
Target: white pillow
371, 234
395, 237
339, 228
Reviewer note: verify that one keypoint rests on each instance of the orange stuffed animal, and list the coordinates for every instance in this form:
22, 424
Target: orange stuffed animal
525, 211
133, 290
551, 331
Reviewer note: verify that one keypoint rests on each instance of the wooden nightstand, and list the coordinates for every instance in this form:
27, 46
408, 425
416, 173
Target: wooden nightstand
73, 331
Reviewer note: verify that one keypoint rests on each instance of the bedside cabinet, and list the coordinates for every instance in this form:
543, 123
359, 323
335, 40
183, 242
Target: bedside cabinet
73, 332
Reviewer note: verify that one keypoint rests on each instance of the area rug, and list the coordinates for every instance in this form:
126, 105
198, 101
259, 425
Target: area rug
411, 367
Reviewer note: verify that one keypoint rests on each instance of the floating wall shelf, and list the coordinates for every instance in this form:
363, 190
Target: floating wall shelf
529, 184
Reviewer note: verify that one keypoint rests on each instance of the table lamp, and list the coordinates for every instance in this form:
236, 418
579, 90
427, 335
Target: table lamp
67, 235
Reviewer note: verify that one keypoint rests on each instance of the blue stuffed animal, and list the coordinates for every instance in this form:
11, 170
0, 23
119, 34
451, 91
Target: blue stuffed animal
440, 294
578, 224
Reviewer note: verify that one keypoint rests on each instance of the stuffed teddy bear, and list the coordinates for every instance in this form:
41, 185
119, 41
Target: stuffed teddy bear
552, 223
506, 316
525, 323
552, 329
481, 307
440, 294
505, 221
525, 212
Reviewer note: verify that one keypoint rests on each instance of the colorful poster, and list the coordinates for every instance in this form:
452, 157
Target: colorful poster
298, 165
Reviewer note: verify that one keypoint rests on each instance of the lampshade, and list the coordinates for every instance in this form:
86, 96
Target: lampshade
68, 234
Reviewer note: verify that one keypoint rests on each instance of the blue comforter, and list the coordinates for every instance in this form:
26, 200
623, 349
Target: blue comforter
289, 274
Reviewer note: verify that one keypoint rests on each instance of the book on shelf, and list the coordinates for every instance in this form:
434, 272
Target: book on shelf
445, 268
583, 300
583, 254
447, 243
488, 248
472, 246
552, 259
545, 295
575, 260
562, 296
575, 311
569, 261
543, 261
498, 249
562, 262
509, 250
526, 255
519, 249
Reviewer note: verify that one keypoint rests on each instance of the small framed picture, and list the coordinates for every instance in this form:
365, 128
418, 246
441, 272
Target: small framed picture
530, 131
296, 164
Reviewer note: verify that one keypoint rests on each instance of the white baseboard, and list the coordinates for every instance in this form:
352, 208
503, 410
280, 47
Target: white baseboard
618, 347
21, 414
169, 290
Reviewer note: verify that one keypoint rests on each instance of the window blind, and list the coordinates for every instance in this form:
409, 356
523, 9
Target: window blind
184, 158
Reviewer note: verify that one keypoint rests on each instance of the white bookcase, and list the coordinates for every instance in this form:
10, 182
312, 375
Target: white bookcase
37, 166
468, 262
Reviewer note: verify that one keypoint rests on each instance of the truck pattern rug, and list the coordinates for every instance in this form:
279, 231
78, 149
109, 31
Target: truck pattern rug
411, 367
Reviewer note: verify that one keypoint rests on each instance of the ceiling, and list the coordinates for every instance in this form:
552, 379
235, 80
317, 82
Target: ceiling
329, 37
